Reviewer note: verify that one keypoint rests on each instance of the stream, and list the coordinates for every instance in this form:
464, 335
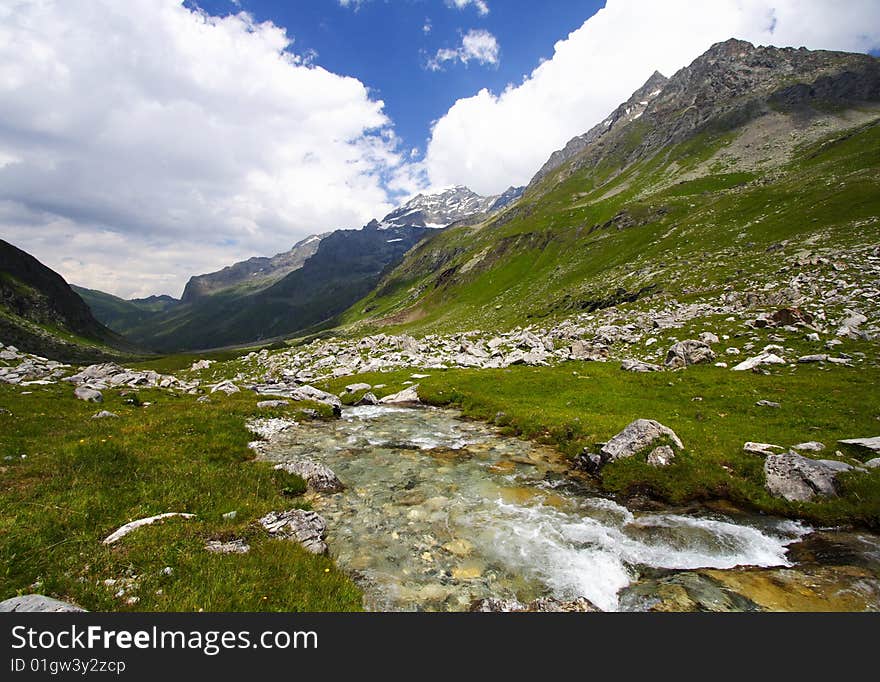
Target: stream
439, 512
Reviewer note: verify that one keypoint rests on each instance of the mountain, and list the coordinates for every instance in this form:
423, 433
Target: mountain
122, 315
446, 207
303, 289
253, 274
40, 313
698, 187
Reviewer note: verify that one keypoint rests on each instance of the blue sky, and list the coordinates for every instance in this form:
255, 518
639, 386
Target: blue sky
383, 43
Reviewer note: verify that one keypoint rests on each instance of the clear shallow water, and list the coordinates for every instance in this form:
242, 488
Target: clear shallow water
439, 512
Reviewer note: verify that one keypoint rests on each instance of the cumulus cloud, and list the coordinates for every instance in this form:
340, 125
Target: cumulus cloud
477, 45
490, 141
480, 5
144, 141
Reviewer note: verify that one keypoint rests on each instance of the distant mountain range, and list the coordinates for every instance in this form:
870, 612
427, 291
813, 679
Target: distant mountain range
299, 290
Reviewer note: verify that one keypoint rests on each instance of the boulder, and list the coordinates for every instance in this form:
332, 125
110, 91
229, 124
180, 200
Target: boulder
305, 527
89, 394
406, 396
871, 444
37, 603
690, 352
639, 366
319, 476
226, 387
582, 351
819, 357
356, 388
637, 437
368, 398
709, 338
757, 361
873, 463
797, 478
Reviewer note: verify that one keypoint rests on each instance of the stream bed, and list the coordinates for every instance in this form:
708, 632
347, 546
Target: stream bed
439, 512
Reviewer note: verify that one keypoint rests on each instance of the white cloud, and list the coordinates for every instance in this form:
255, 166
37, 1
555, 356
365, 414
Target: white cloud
480, 5
490, 141
476, 45
142, 142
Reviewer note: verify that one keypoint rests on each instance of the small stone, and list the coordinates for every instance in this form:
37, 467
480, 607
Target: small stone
768, 403
231, 547
271, 404
661, 456
89, 394
810, 446
230, 516
764, 449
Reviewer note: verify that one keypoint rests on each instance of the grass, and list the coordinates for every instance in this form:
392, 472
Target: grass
576, 405
68, 481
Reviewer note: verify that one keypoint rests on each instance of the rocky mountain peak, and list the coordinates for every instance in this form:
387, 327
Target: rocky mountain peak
447, 206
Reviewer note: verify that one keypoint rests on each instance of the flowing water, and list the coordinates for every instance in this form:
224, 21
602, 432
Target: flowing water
439, 511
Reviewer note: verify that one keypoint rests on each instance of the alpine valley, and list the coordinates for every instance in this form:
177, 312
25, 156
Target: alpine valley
665, 346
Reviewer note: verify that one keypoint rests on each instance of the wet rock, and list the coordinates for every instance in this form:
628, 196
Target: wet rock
459, 547
690, 352
637, 437
541, 605
230, 547
406, 396
683, 592
305, 527
318, 476
639, 366
89, 394
757, 361
37, 603
661, 456
763, 449
122, 531
797, 478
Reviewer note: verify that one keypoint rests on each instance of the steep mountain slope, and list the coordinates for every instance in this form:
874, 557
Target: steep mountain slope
741, 161
266, 298
40, 313
253, 274
120, 315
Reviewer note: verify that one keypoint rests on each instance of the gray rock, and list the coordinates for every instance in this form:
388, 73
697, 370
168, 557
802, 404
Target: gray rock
104, 414
757, 361
89, 394
305, 527
809, 446
872, 444
355, 388
797, 478
270, 404
368, 398
820, 357
319, 476
226, 387
231, 547
763, 449
690, 352
767, 403
709, 337
639, 366
203, 399
661, 456
37, 603
637, 437
873, 463
407, 395
582, 351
